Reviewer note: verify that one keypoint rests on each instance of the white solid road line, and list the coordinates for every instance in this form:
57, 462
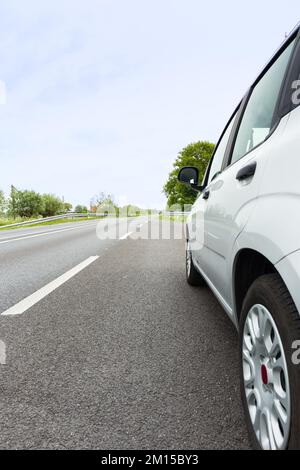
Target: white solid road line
126, 236
28, 302
25, 237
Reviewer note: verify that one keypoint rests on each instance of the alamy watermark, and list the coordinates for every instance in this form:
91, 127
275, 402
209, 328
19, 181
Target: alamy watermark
296, 353
152, 225
296, 92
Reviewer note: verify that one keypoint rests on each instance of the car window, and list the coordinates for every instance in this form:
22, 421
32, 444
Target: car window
258, 116
218, 157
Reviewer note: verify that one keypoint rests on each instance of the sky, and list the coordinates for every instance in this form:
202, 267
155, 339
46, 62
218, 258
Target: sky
101, 95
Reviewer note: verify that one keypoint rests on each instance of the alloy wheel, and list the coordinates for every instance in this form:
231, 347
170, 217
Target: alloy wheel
266, 380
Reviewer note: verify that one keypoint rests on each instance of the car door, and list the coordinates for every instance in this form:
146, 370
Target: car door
197, 233
231, 193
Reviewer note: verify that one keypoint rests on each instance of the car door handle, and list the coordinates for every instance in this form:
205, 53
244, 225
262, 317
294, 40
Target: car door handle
206, 194
246, 172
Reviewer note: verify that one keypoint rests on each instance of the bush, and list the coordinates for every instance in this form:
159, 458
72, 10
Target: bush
81, 209
26, 204
52, 205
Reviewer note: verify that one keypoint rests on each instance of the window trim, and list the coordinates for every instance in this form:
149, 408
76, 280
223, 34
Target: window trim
233, 117
277, 115
285, 106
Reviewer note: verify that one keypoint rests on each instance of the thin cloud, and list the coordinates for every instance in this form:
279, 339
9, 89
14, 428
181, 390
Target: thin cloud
101, 95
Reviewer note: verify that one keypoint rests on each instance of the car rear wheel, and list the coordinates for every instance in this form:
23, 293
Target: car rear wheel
270, 379
193, 276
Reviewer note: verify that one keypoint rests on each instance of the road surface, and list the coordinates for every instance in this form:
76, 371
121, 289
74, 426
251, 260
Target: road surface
112, 349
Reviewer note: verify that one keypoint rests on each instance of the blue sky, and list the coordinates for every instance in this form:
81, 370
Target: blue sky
103, 94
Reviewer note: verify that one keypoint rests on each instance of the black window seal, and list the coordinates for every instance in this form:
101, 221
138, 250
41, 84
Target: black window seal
285, 105
232, 117
232, 139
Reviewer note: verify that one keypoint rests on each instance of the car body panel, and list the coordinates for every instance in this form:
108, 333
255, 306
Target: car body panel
274, 228
233, 221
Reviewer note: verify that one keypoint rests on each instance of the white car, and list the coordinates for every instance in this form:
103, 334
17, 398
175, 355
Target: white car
243, 240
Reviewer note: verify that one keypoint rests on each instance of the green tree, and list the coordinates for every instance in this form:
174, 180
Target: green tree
25, 203
103, 198
52, 205
67, 206
81, 209
2, 204
104, 203
12, 201
197, 154
130, 211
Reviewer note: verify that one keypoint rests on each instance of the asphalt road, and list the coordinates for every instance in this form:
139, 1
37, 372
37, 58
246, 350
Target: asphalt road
124, 355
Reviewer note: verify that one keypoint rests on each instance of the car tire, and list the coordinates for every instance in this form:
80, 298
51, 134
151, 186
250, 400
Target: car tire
269, 371
193, 276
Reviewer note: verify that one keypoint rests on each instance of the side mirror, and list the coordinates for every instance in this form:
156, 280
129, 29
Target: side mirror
189, 175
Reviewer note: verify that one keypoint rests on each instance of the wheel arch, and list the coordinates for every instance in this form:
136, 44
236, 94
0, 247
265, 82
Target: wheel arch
248, 265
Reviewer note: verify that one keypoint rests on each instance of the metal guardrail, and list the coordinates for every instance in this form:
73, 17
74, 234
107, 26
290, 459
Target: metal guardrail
69, 215
74, 215
175, 213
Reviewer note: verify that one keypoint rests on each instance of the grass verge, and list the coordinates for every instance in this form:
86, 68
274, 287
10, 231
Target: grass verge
174, 218
52, 222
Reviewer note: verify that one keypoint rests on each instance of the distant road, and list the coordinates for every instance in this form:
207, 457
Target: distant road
113, 349
32, 257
